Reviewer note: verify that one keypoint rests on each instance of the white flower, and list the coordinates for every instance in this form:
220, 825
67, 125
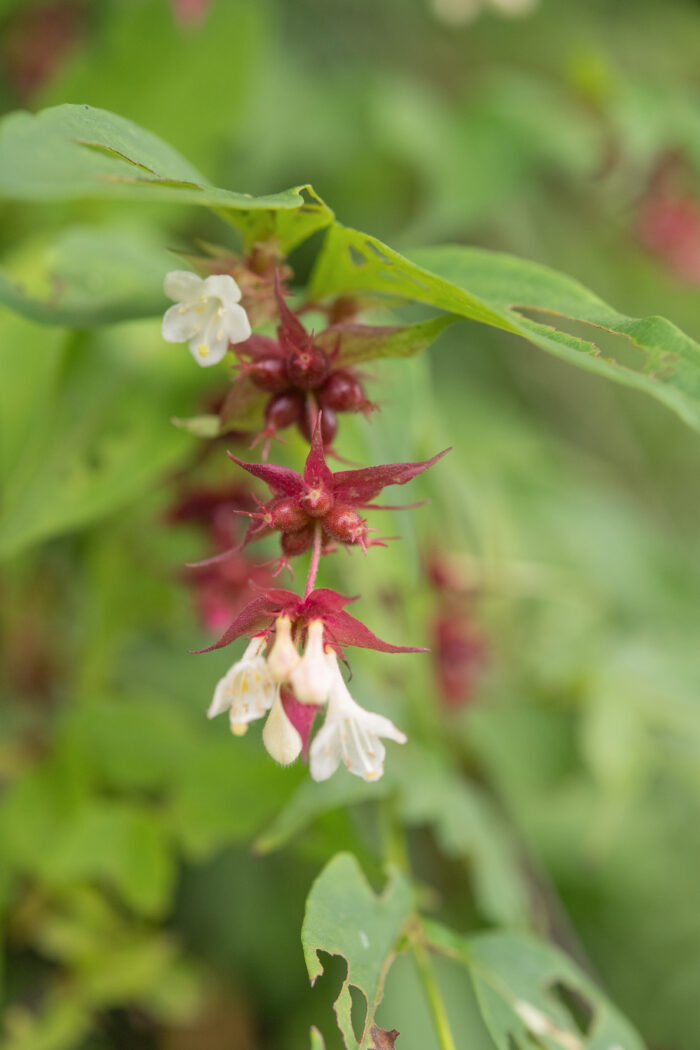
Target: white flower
281, 739
283, 656
314, 675
351, 735
246, 691
207, 314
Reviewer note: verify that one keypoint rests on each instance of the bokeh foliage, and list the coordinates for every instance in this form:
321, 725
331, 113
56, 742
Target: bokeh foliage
565, 800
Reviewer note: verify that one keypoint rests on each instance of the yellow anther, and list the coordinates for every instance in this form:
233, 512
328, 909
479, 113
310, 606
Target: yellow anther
203, 350
239, 728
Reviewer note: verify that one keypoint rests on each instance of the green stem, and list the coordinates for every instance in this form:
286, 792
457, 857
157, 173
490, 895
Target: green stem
435, 1001
395, 852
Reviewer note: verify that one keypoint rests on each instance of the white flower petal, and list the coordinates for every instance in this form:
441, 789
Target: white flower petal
281, 739
313, 677
325, 753
221, 286
205, 352
236, 324
183, 286
179, 323
246, 689
283, 656
351, 735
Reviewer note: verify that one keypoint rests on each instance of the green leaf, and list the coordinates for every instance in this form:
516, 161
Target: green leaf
650, 353
88, 276
345, 917
530, 994
75, 152
92, 443
351, 261
122, 844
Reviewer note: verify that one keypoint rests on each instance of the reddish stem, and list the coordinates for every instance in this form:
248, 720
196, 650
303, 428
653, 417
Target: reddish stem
315, 559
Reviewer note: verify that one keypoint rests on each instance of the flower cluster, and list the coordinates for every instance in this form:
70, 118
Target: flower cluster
320, 500
301, 376
274, 679
289, 672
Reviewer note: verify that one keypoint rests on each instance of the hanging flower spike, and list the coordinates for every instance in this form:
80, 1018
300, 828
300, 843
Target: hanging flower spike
319, 495
350, 735
247, 690
207, 314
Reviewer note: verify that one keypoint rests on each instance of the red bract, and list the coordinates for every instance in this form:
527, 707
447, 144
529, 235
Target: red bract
332, 500
340, 628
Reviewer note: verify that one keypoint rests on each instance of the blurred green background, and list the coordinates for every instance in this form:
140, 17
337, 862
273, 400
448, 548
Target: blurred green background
135, 913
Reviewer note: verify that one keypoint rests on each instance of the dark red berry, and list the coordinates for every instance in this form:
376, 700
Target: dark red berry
307, 368
269, 373
345, 524
288, 516
297, 542
284, 409
317, 501
342, 392
329, 426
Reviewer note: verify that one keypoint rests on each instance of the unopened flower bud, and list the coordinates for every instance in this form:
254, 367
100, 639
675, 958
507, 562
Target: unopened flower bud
294, 543
287, 516
283, 656
307, 368
317, 501
342, 392
345, 524
284, 409
329, 426
269, 373
313, 676
281, 739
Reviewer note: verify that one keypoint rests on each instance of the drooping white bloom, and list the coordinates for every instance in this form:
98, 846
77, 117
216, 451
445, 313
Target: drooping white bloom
207, 314
313, 677
280, 737
247, 690
284, 656
350, 735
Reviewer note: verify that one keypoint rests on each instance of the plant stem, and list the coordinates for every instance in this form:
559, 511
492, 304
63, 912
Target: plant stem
435, 1001
315, 559
396, 852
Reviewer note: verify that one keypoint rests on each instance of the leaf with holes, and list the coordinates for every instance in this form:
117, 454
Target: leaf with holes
74, 152
650, 353
532, 995
345, 917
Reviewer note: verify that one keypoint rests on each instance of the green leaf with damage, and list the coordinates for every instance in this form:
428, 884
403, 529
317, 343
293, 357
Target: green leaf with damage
532, 994
345, 917
649, 353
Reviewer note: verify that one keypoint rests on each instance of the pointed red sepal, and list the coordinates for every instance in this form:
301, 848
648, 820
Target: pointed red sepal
282, 480
253, 618
344, 630
316, 471
291, 329
360, 486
